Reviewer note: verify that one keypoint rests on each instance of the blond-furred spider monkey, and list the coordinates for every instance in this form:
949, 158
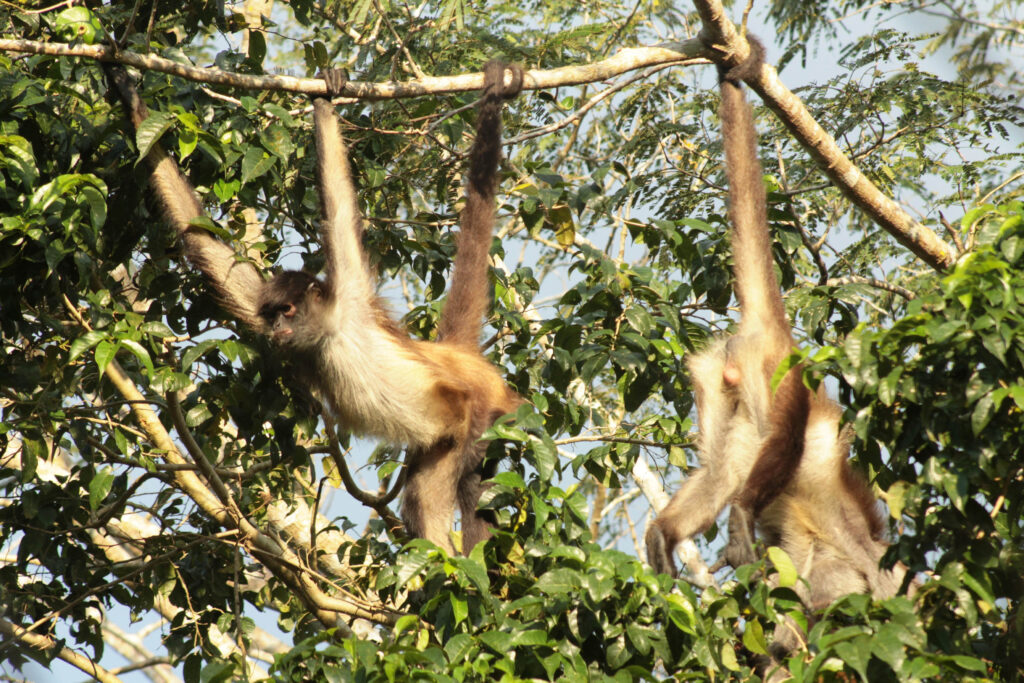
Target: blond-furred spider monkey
778, 457
435, 398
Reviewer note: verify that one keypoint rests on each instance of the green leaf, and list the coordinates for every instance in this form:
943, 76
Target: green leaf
888, 387
105, 352
149, 132
17, 154
255, 163
857, 654
140, 352
559, 581
96, 198
753, 638
982, 413
84, 343
156, 329
498, 641
784, 566
99, 487
459, 647
546, 456
460, 608
729, 657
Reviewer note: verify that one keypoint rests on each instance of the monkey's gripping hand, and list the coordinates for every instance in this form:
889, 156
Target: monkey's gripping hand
748, 68
659, 551
336, 79
740, 548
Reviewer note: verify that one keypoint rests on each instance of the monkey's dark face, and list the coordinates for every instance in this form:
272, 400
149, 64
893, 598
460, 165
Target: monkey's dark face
286, 308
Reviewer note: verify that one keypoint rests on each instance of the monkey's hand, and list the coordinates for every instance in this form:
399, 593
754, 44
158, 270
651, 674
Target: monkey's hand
659, 551
335, 80
740, 549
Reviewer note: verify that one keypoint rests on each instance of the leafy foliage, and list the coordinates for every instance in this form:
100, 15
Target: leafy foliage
615, 267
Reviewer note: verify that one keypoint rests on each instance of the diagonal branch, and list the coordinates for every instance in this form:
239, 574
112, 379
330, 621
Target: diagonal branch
728, 47
49, 645
275, 555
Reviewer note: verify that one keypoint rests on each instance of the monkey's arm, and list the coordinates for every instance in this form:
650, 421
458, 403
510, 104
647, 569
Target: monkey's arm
757, 288
237, 282
468, 295
348, 277
763, 315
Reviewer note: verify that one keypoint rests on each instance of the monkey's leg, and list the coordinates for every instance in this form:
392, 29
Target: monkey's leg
692, 509
476, 524
428, 504
740, 548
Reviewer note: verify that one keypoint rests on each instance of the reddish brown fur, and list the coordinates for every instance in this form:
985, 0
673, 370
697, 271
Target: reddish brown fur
860, 493
757, 290
780, 454
783, 451
753, 442
736, 407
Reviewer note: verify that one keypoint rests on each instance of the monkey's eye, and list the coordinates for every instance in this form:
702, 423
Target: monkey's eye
269, 312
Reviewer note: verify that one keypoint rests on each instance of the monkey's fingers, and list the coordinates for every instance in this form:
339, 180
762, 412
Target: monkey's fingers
336, 79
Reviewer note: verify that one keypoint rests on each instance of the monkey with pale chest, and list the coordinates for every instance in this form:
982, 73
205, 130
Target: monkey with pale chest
435, 398
777, 456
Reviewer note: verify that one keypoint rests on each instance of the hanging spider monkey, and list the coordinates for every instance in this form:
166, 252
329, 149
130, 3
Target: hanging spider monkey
778, 457
435, 398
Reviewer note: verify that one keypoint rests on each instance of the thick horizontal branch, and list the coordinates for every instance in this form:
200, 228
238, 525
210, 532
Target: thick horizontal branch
627, 59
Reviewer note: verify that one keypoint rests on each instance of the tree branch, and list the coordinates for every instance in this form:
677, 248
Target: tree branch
870, 282
627, 59
700, 574
729, 48
275, 555
718, 41
44, 643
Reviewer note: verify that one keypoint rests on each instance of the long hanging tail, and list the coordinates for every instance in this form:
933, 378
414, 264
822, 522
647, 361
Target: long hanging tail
469, 294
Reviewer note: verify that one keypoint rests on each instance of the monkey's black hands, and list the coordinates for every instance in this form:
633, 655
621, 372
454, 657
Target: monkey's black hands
659, 552
335, 80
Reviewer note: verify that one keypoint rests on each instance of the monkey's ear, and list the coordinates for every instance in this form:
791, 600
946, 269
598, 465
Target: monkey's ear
731, 375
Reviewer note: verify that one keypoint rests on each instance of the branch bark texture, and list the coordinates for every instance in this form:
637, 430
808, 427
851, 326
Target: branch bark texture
726, 46
719, 41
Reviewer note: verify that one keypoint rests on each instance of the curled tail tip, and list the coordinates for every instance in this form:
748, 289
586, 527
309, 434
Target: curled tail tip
748, 68
494, 79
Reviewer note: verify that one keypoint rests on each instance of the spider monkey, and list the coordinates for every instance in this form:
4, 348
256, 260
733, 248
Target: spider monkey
779, 457
435, 398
